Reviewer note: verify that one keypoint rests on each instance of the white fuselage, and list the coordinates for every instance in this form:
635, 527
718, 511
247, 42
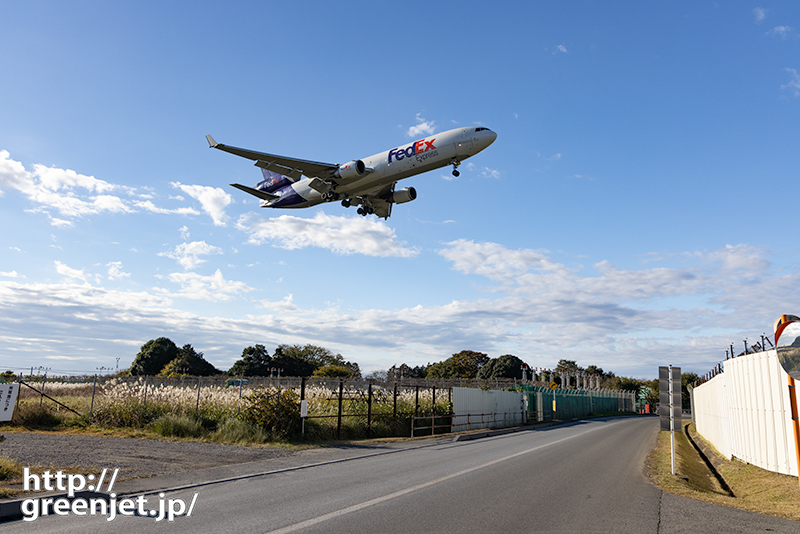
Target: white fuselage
426, 154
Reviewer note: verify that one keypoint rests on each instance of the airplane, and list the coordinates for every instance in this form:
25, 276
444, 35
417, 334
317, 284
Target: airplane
368, 183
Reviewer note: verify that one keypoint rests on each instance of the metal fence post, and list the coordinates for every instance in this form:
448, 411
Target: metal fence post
369, 410
433, 412
94, 385
199, 385
339, 418
145, 389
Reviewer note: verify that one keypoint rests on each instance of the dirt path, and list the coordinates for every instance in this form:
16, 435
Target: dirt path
134, 457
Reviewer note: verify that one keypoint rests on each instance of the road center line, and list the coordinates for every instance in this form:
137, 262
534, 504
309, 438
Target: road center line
378, 500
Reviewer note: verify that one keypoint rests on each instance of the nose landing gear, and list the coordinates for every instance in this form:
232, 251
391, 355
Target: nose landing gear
455, 163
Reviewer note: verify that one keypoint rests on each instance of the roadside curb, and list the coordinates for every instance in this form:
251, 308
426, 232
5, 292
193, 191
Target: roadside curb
710, 458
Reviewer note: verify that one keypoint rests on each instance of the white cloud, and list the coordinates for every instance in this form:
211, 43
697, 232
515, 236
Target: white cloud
486, 172
187, 254
9, 274
342, 235
115, 270
781, 32
794, 84
184, 230
213, 288
69, 272
149, 206
212, 199
422, 128
560, 49
760, 14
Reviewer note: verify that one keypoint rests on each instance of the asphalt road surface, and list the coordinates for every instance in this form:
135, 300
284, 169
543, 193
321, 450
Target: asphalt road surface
583, 477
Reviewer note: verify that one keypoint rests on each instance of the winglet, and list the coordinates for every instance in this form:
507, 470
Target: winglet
211, 142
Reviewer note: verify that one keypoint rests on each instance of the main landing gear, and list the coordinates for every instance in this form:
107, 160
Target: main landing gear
455, 163
364, 210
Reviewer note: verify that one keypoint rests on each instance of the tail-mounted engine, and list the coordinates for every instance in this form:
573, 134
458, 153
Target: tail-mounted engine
406, 194
354, 169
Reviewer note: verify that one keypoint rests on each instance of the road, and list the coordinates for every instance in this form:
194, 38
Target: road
583, 477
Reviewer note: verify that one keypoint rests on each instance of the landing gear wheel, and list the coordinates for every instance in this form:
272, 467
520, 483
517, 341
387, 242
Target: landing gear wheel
455, 163
346, 203
361, 211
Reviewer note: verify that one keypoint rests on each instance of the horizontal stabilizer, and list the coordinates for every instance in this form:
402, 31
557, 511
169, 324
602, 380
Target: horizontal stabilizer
255, 192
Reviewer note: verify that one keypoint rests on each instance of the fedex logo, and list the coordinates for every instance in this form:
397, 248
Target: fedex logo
419, 147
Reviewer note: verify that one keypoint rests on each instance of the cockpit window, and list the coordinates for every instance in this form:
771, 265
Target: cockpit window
480, 129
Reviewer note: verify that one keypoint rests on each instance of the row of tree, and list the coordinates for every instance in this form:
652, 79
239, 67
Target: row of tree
163, 357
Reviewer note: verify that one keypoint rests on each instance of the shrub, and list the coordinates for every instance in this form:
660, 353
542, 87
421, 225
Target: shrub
179, 426
133, 413
35, 416
237, 431
274, 410
9, 469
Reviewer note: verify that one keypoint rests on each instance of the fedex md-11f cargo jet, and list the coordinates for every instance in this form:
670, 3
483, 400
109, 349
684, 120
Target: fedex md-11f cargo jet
368, 183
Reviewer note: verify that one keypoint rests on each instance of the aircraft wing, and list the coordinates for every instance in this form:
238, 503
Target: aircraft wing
291, 167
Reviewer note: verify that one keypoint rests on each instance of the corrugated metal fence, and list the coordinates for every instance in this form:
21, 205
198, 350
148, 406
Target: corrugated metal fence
745, 412
477, 408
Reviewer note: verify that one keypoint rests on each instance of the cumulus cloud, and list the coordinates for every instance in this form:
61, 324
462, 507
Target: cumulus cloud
212, 199
213, 288
422, 128
187, 254
69, 272
149, 206
71, 194
115, 270
342, 235
628, 320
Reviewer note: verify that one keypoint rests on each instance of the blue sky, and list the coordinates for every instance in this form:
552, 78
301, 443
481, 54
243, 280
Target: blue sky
636, 209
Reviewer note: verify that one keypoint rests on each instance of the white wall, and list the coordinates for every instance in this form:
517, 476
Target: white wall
506, 407
745, 412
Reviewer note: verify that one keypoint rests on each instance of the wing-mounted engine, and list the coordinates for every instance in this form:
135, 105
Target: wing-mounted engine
404, 195
350, 170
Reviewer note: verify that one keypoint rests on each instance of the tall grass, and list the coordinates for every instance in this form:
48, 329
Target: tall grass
172, 410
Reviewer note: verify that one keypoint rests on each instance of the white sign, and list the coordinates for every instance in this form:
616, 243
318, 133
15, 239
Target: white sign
8, 400
303, 408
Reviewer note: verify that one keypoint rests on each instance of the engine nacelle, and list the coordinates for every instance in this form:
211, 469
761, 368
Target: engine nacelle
354, 169
404, 195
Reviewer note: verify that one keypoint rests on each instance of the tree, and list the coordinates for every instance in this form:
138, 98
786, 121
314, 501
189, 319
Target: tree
568, 366
594, 370
628, 384
190, 362
464, 364
506, 366
333, 371
687, 379
405, 371
255, 361
153, 356
295, 360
